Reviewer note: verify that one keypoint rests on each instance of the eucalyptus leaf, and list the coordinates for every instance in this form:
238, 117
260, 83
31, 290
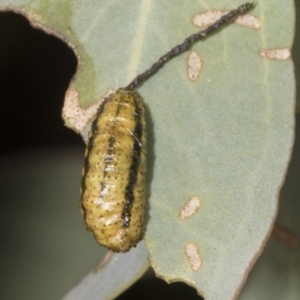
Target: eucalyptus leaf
225, 137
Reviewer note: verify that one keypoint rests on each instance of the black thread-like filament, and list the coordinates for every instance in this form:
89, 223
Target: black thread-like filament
188, 42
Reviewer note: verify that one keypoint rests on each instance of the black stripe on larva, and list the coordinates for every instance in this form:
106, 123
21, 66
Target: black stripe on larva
136, 159
90, 145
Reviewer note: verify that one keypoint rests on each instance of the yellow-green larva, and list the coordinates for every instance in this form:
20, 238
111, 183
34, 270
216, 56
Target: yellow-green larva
114, 174
113, 190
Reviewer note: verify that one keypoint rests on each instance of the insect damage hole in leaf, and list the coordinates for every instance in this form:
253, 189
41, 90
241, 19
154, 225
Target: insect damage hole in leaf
280, 54
190, 208
192, 253
35, 81
208, 18
194, 65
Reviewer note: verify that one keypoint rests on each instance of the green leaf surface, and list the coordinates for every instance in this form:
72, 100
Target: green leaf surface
225, 137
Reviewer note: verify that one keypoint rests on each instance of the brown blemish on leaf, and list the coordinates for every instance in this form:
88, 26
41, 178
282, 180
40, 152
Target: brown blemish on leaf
248, 21
37, 21
72, 112
280, 54
153, 265
194, 66
77, 118
209, 17
286, 237
192, 253
190, 207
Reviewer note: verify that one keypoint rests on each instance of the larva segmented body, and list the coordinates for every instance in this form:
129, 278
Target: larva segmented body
114, 183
